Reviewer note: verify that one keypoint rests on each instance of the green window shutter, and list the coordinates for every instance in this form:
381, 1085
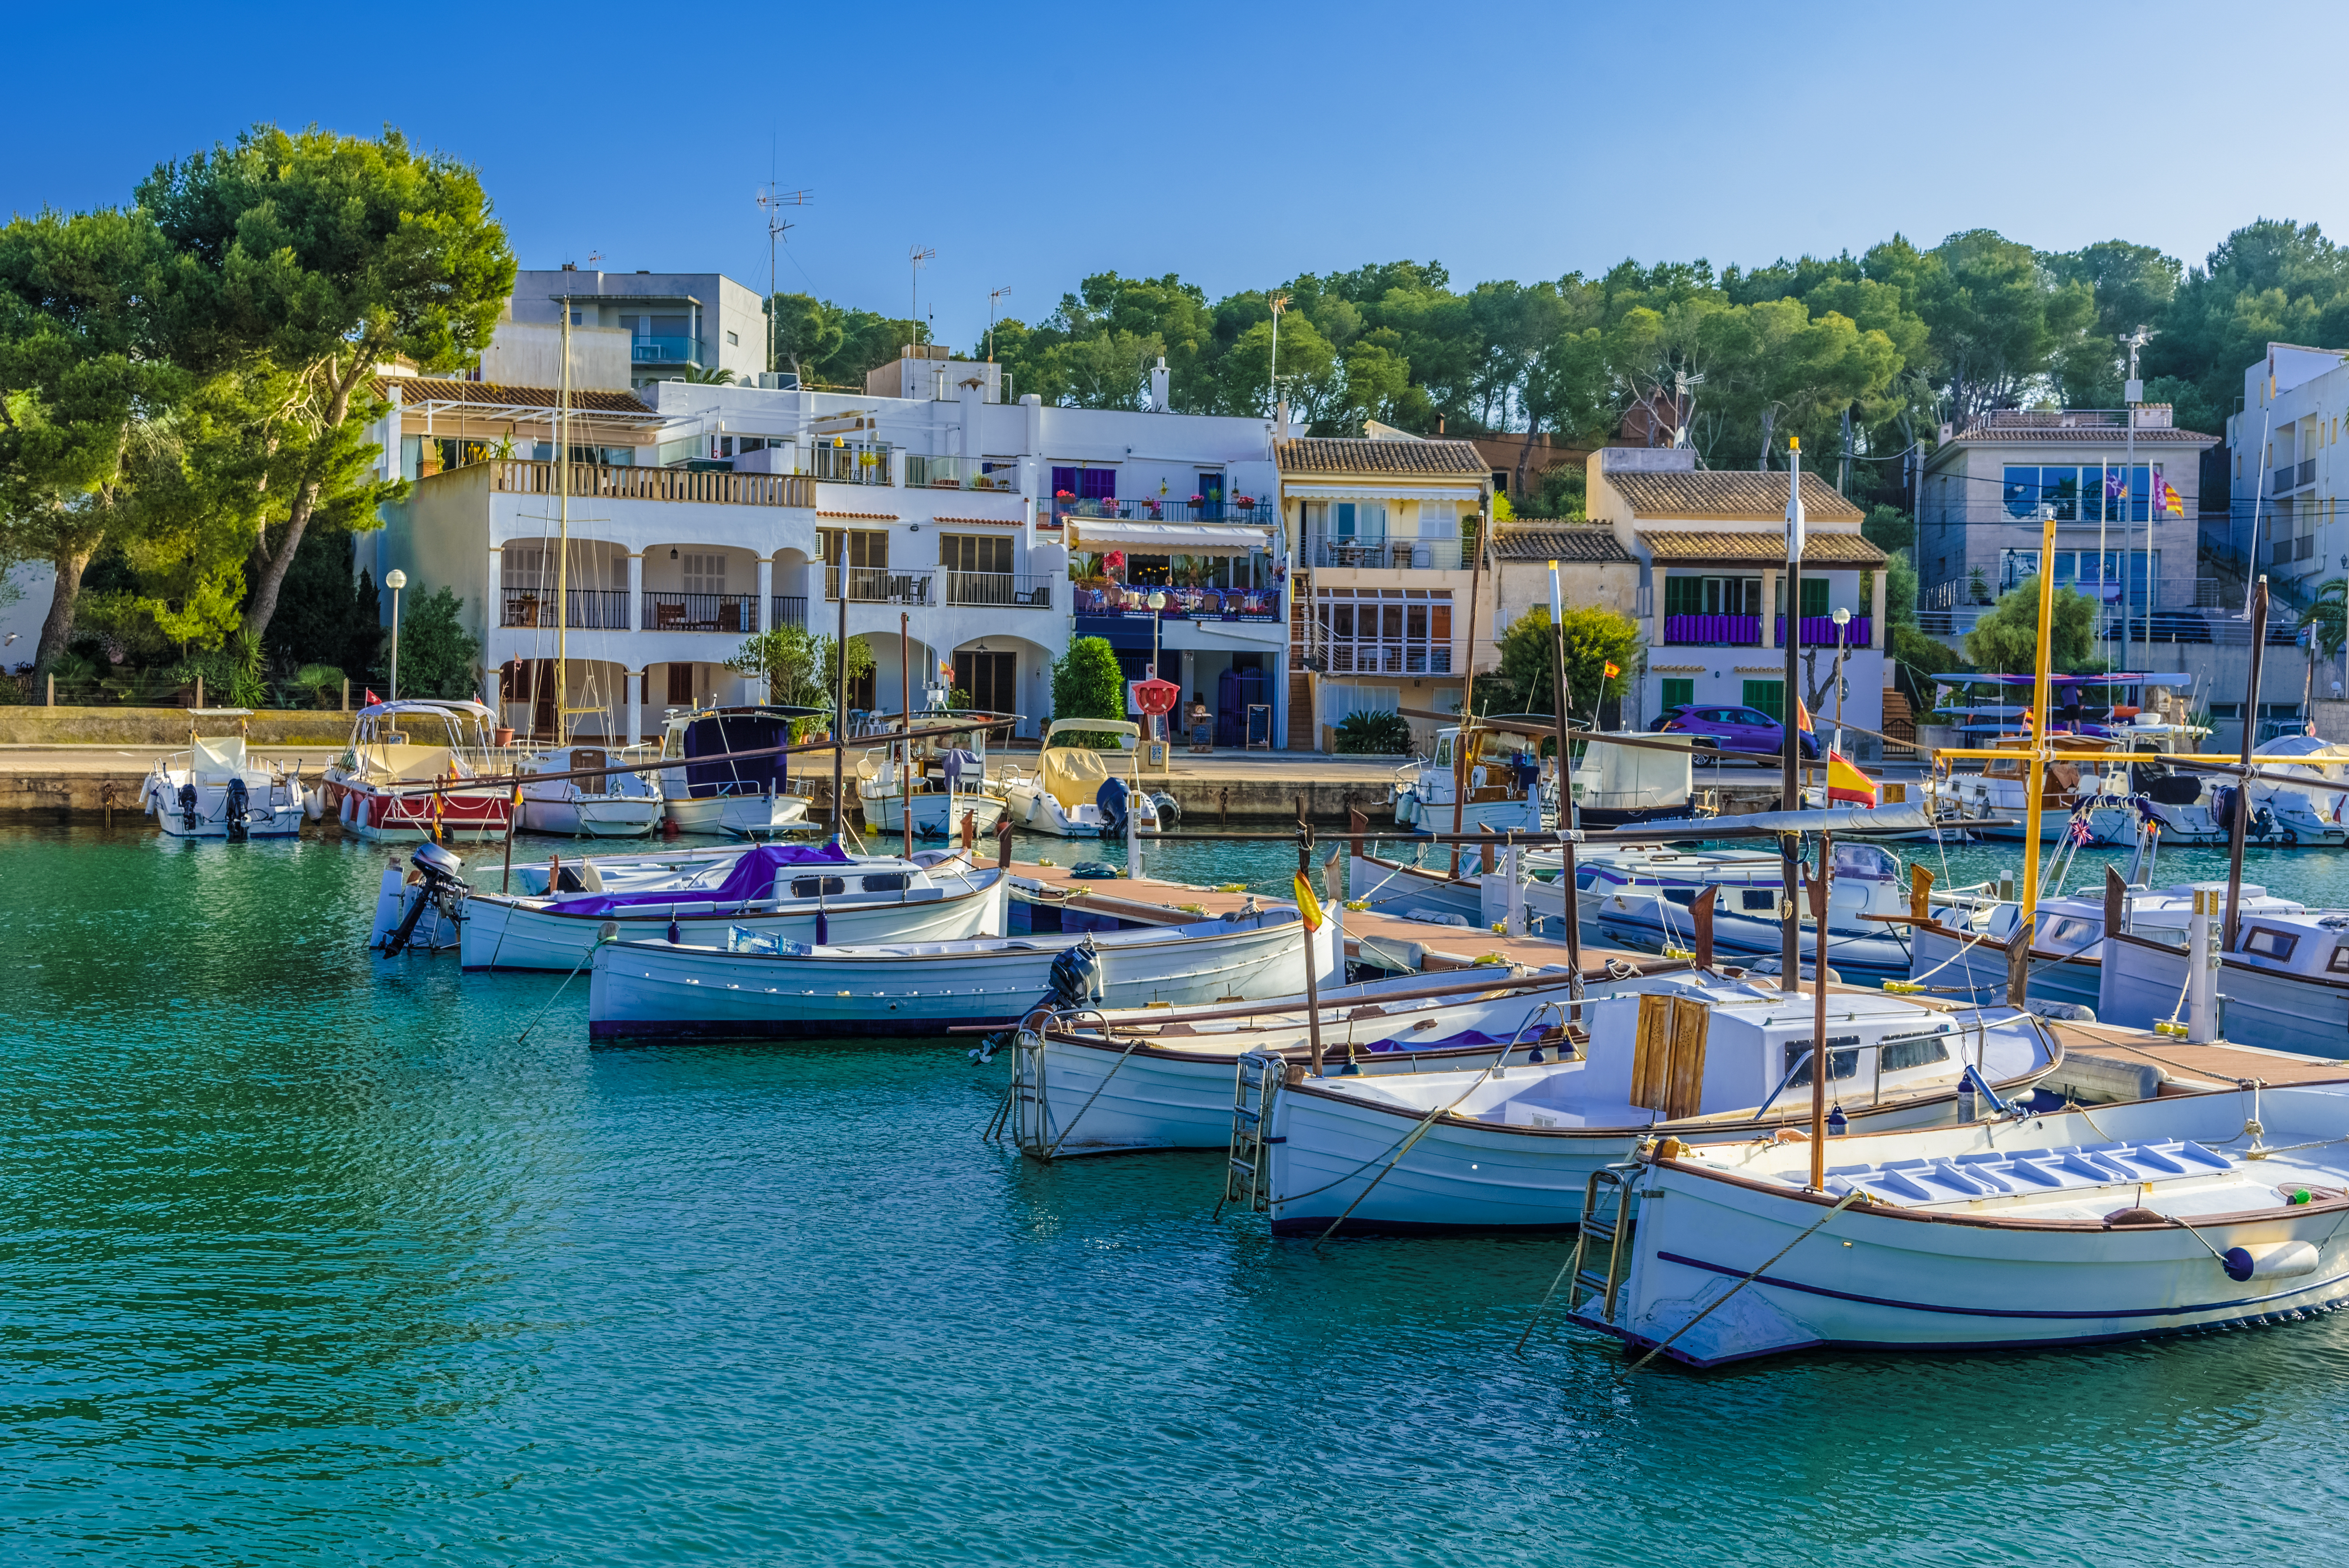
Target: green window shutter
1815, 597
1678, 689
1767, 695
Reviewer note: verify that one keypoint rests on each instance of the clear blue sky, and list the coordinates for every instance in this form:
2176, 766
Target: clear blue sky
1235, 144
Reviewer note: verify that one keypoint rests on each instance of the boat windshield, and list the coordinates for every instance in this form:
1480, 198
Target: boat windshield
1864, 862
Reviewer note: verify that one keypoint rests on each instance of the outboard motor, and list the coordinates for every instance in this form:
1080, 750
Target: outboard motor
2225, 801
1112, 799
444, 885
236, 808
1076, 976
188, 800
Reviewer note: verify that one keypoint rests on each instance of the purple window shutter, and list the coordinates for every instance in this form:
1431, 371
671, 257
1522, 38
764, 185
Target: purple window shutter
1099, 484
1064, 480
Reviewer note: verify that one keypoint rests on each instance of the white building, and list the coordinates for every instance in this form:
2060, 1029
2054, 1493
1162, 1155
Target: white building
667, 322
701, 514
2281, 469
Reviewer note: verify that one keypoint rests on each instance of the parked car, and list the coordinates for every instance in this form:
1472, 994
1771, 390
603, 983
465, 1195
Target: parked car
1746, 730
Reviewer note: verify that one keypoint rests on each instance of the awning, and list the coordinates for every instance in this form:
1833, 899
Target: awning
1388, 489
1167, 538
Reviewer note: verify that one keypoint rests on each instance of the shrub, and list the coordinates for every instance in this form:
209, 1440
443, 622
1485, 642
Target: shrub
1087, 683
1374, 734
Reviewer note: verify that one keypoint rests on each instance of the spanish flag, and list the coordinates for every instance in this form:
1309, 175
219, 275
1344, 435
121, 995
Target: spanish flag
1802, 716
1306, 905
1613, 670
1846, 783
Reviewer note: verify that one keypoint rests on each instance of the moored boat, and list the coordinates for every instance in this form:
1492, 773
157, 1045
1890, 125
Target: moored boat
393, 780
749, 797
214, 790
1080, 790
944, 787
615, 805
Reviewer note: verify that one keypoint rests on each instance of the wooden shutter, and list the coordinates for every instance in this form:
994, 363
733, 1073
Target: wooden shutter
1684, 1094
1651, 1051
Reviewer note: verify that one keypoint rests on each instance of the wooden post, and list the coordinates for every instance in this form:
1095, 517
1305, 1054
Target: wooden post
1822, 1059
1312, 987
2236, 828
1790, 949
513, 813
200, 691
1467, 690
346, 695
1921, 888
1002, 839
1573, 920
906, 708
1701, 916
2018, 962
2035, 791
840, 704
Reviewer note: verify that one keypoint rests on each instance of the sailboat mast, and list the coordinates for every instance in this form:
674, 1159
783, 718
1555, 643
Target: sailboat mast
2039, 740
563, 529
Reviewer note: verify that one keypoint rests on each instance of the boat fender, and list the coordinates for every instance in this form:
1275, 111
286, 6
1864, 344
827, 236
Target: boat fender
2135, 1215
2272, 1260
1169, 809
2062, 1012
677, 934
1102, 869
1837, 1122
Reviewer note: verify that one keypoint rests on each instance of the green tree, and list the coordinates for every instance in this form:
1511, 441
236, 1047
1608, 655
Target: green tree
2273, 280
2328, 616
1595, 638
807, 332
302, 261
801, 668
2007, 639
1087, 684
438, 657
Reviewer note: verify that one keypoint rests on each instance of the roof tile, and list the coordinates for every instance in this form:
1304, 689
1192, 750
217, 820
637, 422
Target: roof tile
1728, 494
1588, 541
444, 389
1689, 545
1335, 455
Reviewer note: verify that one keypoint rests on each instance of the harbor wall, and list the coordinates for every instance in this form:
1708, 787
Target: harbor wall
164, 728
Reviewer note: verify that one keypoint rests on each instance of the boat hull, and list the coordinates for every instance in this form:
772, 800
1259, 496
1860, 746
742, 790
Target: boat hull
936, 816
1946, 964
742, 815
384, 815
593, 816
2279, 1012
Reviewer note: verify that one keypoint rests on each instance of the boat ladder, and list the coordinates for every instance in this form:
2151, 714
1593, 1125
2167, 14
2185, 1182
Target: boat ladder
1609, 1227
1247, 1173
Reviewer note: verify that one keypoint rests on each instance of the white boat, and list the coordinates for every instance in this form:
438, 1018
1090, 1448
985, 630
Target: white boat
946, 787
757, 988
1081, 791
2081, 1227
1102, 1082
383, 785
1430, 893
1503, 784
750, 798
213, 791
795, 892
1642, 899
2285, 985
2309, 813
617, 806
1696, 1056
2074, 800
1651, 779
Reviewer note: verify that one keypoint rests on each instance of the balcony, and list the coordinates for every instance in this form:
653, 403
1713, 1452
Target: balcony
878, 586
733, 613
960, 473
616, 481
1160, 509
1384, 552
1819, 631
1713, 631
1016, 590
585, 609
787, 610
663, 351
1361, 658
1117, 599
853, 465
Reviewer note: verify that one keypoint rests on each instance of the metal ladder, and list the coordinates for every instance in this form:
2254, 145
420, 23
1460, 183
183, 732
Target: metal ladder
1247, 1172
1609, 1230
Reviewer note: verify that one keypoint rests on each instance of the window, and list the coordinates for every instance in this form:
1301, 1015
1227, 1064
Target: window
1086, 484
888, 882
1679, 690
704, 574
1815, 597
2021, 493
1912, 1051
807, 887
1387, 631
1769, 696
1439, 519
865, 547
680, 686
2339, 962
1690, 595
1762, 899
2264, 942
577, 319
733, 341
990, 678
1841, 1063
975, 552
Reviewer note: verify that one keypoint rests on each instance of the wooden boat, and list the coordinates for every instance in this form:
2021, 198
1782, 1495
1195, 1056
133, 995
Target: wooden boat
383, 787
213, 790
2080, 1227
1414, 892
1697, 1057
1098, 1082
758, 988
1503, 782
619, 805
796, 893
746, 796
1641, 899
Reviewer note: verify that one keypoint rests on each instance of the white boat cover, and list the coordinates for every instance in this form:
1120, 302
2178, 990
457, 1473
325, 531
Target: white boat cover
218, 761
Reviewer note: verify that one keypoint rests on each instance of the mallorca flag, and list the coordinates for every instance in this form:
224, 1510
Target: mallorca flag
1847, 783
1306, 905
2164, 495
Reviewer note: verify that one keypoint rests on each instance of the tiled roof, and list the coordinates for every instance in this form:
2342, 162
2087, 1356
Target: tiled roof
434, 388
1588, 541
2011, 424
1742, 495
1758, 547
1330, 455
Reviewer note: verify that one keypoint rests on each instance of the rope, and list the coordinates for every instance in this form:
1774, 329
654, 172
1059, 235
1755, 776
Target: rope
1045, 1037
584, 958
1841, 1205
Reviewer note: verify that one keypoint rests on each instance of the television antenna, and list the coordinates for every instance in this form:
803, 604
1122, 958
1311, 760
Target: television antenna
772, 198
916, 258
993, 296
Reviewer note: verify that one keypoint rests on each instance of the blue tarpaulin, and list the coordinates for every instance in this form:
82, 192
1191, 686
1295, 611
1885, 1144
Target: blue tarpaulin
751, 879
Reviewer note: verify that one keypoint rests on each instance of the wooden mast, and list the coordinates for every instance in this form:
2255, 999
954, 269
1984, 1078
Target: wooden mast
2037, 773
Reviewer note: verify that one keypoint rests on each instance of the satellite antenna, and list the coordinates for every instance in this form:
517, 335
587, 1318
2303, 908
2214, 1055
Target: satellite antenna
993, 296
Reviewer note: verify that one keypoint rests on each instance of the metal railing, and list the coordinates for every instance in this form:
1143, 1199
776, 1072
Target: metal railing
1182, 604
1819, 631
1388, 552
585, 609
878, 586
2281, 481
619, 483
788, 610
1021, 589
1358, 658
663, 351
1161, 508
1713, 631
960, 473
850, 465
735, 613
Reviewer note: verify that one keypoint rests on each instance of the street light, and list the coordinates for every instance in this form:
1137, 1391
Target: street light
395, 580
1842, 619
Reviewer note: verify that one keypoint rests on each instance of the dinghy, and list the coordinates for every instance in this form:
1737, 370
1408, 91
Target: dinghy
1700, 1057
2157, 1217
948, 784
756, 987
796, 893
391, 782
213, 790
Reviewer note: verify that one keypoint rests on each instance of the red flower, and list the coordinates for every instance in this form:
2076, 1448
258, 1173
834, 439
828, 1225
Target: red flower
1064, 495
1198, 501
1245, 501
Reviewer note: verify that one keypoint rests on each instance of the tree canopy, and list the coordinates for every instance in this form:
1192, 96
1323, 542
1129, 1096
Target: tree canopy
2007, 639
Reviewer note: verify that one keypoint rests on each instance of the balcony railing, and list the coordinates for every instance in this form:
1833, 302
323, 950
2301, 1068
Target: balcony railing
1158, 509
585, 609
2307, 474
878, 586
960, 473
662, 351
1819, 631
618, 482
1713, 631
1385, 550
850, 465
1181, 603
735, 613
1390, 659
1019, 590
787, 610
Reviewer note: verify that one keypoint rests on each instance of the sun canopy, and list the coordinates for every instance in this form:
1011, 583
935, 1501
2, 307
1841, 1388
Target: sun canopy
751, 880
1168, 538
218, 761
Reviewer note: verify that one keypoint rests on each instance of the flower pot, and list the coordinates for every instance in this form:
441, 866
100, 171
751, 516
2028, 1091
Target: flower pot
506, 735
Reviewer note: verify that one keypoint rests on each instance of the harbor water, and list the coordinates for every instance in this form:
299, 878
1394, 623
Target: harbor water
310, 1257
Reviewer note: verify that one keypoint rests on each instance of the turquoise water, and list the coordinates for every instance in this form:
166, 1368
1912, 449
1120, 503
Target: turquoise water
309, 1259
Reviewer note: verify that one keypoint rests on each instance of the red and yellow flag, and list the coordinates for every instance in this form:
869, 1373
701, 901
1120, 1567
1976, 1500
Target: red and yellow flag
1613, 670
1846, 783
1802, 716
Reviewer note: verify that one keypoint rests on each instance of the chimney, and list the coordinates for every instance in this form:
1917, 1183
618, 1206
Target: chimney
1280, 420
1159, 377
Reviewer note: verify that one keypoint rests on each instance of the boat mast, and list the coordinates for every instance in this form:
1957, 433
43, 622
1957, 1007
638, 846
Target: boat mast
563, 526
2036, 773
2241, 813
1790, 798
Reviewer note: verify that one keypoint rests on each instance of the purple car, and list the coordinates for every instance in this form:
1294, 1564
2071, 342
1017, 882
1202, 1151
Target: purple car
1746, 730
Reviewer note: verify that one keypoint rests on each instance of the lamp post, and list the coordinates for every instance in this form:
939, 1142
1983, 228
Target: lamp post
1842, 620
395, 580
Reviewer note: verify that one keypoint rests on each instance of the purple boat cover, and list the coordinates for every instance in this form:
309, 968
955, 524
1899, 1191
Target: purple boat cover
752, 879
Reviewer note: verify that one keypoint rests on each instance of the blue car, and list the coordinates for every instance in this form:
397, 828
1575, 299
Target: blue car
1747, 731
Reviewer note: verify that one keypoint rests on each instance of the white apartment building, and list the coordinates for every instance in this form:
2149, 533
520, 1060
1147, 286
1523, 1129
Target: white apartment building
665, 323
702, 514
2282, 470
